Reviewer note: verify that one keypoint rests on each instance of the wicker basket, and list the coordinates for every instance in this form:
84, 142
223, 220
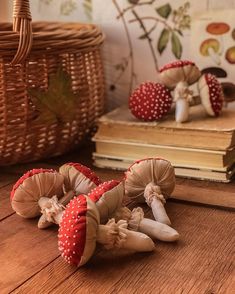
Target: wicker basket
28, 61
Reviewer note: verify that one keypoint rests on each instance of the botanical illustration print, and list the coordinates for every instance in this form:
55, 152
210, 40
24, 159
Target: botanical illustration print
161, 29
214, 47
143, 35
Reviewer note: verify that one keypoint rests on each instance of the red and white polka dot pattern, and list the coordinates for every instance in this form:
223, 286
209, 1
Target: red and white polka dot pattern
211, 93
86, 171
99, 191
179, 71
73, 232
150, 101
177, 63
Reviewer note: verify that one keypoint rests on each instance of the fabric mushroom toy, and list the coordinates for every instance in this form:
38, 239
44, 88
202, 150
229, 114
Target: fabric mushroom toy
37, 189
211, 94
151, 180
179, 75
150, 101
80, 229
108, 197
79, 178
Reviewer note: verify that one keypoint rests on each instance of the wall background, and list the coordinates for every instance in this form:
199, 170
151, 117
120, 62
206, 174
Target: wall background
143, 35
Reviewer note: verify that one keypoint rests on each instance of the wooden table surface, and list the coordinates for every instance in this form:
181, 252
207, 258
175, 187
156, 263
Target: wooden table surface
202, 261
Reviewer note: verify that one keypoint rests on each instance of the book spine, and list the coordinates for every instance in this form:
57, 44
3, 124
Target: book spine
163, 136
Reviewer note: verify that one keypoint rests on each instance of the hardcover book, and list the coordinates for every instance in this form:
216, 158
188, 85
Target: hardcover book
201, 132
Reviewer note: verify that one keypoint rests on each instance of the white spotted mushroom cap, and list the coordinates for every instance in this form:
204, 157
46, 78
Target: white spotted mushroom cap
211, 93
108, 197
158, 171
179, 71
79, 178
78, 230
33, 185
150, 101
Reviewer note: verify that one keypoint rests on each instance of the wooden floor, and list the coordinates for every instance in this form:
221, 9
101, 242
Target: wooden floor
202, 261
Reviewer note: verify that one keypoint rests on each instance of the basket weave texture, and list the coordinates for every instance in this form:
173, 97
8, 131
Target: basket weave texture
31, 54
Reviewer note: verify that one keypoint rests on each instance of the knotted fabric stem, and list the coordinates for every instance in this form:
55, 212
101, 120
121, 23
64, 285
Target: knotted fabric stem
51, 208
183, 92
22, 24
153, 191
137, 215
115, 234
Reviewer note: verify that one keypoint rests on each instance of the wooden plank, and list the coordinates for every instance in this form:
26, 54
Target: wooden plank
202, 261
6, 178
5, 205
6, 182
48, 278
210, 193
25, 250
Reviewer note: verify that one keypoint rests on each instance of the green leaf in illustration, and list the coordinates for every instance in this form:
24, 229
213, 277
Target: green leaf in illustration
176, 45
87, 6
163, 40
164, 11
58, 103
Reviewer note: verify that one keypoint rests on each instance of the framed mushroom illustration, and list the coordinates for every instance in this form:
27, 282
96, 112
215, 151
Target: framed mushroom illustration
213, 46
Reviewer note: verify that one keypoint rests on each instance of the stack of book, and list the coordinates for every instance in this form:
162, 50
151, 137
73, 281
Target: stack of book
203, 148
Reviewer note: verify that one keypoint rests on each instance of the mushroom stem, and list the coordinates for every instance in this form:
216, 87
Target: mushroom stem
182, 96
154, 229
52, 209
196, 100
214, 55
181, 110
116, 235
157, 230
156, 201
159, 211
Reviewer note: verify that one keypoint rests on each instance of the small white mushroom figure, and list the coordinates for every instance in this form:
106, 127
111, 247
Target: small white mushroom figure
179, 75
108, 197
80, 229
79, 178
37, 189
151, 180
211, 94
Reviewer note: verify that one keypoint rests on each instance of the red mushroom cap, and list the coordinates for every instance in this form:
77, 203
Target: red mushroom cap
156, 170
211, 93
176, 64
108, 197
150, 101
99, 191
33, 185
78, 230
181, 70
79, 178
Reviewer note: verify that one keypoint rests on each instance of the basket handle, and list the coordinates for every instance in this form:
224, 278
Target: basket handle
22, 24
